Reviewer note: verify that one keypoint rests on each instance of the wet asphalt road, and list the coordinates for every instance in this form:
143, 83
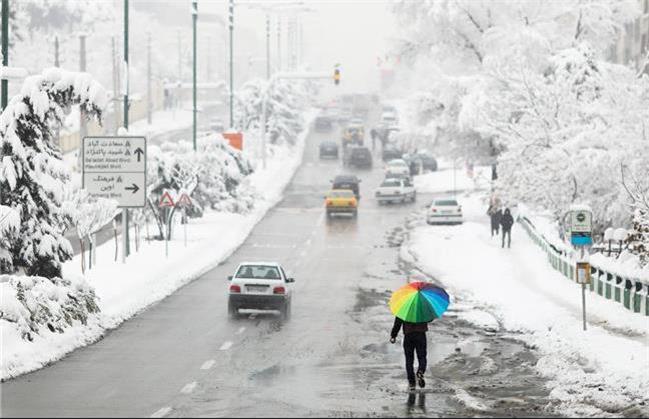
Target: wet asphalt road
183, 357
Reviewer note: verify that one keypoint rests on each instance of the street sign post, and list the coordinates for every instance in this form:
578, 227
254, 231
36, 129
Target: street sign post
581, 227
185, 202
115, 168
166, 201
581, 235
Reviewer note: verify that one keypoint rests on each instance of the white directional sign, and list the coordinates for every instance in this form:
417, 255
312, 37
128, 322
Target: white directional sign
115, 168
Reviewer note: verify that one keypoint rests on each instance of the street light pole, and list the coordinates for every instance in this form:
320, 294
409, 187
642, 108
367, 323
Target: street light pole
125, 234
5, 50
194, 19
267, 46
231, 20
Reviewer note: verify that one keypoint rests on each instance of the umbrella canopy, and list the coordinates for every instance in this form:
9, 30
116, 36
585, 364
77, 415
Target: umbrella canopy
419, 302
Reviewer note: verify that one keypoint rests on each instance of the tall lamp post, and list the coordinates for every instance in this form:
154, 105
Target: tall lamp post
125, 233
194, 19
231, 20
5, 50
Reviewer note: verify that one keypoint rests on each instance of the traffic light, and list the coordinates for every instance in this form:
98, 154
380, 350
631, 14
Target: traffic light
337, 77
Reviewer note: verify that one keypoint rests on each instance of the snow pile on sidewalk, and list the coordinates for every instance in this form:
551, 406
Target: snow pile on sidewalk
445, 179
124, 290
602, 370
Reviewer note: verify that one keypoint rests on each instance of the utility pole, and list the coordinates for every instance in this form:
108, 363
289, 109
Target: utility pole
83, 124
279, 43
5, 51
57, 63
116, 85
194, 20
231, 20
267, 46
148, 79
125, 234
180, 57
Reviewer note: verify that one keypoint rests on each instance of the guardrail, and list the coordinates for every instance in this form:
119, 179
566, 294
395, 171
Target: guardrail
632, 293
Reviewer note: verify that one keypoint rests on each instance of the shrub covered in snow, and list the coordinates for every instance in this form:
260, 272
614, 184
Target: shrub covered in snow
34, 305
32, 174
214, 176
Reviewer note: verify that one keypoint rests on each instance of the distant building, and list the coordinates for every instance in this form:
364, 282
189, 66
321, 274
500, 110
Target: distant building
632, 45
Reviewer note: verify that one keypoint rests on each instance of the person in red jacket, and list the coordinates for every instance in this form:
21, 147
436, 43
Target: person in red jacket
414, 340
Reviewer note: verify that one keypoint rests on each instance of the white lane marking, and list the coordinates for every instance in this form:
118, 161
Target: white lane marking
162, 412
240, 331
227, 345
208, 364
189, 387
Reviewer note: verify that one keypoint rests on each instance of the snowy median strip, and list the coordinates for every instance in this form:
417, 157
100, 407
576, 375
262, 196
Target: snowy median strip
126, 289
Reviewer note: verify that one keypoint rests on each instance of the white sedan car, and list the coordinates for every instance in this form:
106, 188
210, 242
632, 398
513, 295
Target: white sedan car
444, 211
260, 286
397, 167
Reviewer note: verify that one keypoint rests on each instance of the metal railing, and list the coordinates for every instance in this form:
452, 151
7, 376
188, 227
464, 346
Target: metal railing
632, 293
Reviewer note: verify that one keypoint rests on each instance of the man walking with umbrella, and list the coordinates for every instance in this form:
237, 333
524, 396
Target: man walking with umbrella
414, 340
414, 306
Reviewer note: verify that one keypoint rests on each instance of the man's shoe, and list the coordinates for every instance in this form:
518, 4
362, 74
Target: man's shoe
420, 379
411, 385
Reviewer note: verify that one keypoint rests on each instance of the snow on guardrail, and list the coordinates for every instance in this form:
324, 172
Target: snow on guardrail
631, 292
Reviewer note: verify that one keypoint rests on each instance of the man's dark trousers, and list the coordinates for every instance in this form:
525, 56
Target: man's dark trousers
415, 341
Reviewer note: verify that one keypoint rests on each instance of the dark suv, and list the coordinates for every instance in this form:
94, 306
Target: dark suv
357, 157
328, 149
350, 182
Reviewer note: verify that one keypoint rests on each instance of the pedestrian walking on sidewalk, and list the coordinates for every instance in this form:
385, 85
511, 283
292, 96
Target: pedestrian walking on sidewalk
506, 222
495, 214
414, 341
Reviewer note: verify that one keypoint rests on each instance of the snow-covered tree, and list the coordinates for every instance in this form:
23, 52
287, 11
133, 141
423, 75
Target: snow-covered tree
286, 103
89, 215
32, 174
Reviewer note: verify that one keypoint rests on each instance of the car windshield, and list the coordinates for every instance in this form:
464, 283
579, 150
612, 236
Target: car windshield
341, 194
446, 203
258, 272
397, 163
391, 182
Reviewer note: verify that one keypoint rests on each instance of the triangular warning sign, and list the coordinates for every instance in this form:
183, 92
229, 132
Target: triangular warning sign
185, 200
166, 200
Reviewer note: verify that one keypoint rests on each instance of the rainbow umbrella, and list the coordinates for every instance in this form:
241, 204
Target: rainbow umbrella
419, 302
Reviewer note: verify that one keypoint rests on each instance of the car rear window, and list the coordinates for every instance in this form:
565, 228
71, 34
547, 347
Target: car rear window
397, 163
258, 272
341, 194
446, 203
391, 182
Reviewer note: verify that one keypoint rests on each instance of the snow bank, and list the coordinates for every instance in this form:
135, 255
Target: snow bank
445, 179
124, 290
35, 312
601, 370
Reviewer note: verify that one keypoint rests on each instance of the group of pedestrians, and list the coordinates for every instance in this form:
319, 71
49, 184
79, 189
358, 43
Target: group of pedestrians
501, 222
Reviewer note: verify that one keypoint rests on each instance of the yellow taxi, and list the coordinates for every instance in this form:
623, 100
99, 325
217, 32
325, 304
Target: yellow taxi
353, 135
341, 201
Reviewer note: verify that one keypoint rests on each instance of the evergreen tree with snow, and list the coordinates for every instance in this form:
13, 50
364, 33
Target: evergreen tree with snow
33, 176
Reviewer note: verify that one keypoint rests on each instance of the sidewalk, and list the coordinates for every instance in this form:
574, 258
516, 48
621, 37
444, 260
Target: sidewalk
606, 366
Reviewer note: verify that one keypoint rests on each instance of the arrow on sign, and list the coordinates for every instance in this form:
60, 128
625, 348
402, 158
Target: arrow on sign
133, 188
139, 153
